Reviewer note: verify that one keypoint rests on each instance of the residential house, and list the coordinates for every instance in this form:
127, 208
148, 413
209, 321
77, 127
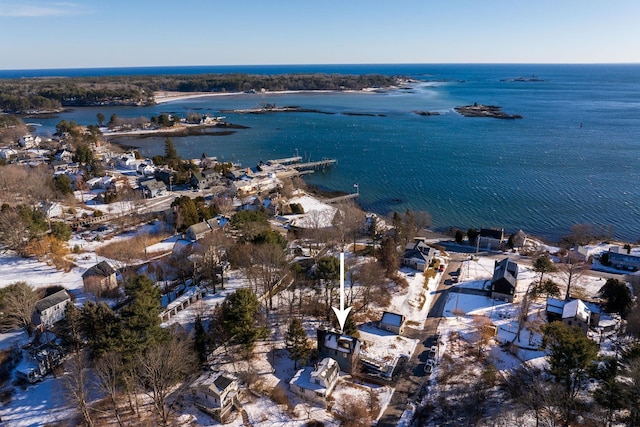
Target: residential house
316, 383
64, 155
491, 238
505, 279
50, 310
152, 188
128, 161
392, 322
146, 169
620, 259
576, 313
344, 349
199, 230
52, 210
28, 141
197, 181
215, 393
418, 255
100, 278
582, 314
9, 155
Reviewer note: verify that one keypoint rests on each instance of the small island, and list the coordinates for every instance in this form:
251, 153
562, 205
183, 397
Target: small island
427, 113
479, 110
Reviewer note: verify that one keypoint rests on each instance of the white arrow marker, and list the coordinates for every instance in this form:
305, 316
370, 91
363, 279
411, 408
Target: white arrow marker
341, 313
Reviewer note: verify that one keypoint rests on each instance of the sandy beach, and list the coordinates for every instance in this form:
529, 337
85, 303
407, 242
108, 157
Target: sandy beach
162, 97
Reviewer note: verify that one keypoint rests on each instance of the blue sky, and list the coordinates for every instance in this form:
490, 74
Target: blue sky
116, 33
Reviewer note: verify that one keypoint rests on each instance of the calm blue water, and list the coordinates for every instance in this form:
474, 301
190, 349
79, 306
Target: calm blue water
574, 158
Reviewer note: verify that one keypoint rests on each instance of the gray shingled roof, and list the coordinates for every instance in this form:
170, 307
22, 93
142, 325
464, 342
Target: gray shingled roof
52, 300
102, 269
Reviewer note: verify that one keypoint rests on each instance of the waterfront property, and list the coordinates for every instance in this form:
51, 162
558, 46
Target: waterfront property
619, 258
418, 255
504, 280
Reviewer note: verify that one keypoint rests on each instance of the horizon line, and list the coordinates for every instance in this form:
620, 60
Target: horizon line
115, 67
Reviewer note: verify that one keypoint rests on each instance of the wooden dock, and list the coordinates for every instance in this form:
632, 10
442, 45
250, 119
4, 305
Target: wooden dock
286, 161
314, 165
341, 198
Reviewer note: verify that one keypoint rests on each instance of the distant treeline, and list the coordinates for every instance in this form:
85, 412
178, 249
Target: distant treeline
20, 96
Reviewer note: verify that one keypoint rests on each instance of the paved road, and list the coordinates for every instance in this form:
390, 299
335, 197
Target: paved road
410, 385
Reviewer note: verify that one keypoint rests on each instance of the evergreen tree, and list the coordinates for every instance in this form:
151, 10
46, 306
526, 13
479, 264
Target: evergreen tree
200, 339
571, 355
296, 342
171, 156
100, 118
62, 184
618, 297
239, 312
71, 327
609, 389
542, 265
350, 327
186, 212
100, 328
141, 318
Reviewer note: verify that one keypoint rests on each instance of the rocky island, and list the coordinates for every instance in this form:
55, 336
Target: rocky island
479, 110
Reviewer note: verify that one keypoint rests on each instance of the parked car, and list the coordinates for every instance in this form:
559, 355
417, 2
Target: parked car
428, 366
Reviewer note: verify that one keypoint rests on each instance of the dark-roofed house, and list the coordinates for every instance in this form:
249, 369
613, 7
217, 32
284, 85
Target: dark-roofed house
316, 383
100, 278
392, 322
50, 310
344, 349
491, 238
418, 255
505, 279
214, 393
152, 188
620, 259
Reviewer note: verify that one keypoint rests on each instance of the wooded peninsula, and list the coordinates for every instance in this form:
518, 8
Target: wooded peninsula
52, 94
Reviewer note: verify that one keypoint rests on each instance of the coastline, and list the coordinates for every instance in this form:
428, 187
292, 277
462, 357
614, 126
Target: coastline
162, 97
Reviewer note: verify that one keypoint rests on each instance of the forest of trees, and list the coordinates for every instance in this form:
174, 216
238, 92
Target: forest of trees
20, 96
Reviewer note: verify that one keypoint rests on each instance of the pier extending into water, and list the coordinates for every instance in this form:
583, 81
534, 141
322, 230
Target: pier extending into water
314, 165
287, 161
342, 198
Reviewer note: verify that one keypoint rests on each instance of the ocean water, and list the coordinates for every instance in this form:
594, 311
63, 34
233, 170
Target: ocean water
573, 158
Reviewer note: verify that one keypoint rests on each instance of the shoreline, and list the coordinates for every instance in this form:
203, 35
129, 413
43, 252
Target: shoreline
162, 97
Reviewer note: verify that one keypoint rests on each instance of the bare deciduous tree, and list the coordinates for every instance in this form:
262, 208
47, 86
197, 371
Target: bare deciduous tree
571, 270
17, 304
76, 384
109, 370
161, 368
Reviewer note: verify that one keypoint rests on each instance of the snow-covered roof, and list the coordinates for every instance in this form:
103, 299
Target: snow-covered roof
576, 308
555, 305
392, 319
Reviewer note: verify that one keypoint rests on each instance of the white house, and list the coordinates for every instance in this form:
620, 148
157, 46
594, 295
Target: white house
316, 383
128, 161
8, 154
52, 210
28, 141
214, 393
392, 322
50, 310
